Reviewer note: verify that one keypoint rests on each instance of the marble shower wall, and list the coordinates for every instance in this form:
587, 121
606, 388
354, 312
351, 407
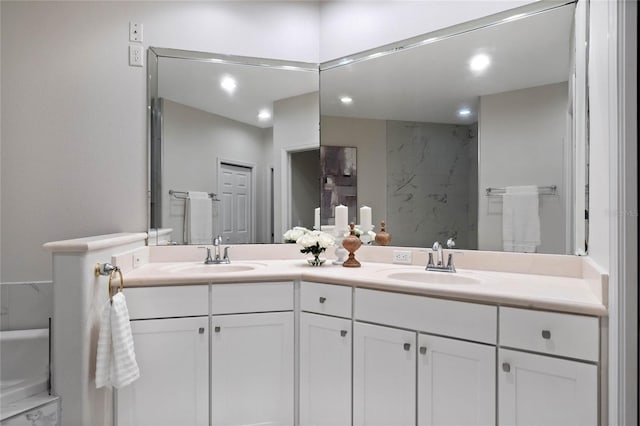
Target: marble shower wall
432, 184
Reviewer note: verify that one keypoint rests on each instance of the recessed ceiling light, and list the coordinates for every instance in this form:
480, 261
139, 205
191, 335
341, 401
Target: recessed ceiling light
228, 84
264, 115
479, 62
464, 112
346, 100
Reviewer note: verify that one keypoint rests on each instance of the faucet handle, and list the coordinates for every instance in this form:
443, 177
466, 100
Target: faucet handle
226, 254
451, 243
208, 259
217, 240
436, 246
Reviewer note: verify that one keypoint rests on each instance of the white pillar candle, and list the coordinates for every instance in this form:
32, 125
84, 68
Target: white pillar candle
365, 217
341, 214
316, 218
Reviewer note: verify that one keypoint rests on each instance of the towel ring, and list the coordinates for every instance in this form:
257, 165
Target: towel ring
111, 275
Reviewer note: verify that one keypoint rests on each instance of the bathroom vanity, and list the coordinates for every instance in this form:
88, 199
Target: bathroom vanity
279, 342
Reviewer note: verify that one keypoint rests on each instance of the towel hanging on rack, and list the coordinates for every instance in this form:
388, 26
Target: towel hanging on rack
520, 219
198, 218
115, 359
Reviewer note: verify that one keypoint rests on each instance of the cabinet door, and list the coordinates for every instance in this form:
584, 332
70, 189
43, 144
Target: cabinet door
384, 376
456, 382
252, 369
173, 388
541, 390
325, 370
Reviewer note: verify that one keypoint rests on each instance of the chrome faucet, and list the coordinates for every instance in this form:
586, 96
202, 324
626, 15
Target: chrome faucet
439, 263
216, 247
216, 259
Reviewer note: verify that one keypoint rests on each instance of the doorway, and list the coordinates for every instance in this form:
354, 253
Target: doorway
236, 217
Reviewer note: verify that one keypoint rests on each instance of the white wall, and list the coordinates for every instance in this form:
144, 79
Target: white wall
600, 115
194, 142
347, 27
74, 149
527, 127
295, 128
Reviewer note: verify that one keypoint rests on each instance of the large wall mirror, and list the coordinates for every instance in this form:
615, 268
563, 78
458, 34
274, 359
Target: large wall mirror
445, 124
234, 147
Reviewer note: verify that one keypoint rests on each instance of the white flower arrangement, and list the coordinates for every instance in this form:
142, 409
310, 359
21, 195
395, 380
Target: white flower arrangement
314, 242
366, 237
292, 235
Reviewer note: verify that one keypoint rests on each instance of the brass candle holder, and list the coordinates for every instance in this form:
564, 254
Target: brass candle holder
351, 243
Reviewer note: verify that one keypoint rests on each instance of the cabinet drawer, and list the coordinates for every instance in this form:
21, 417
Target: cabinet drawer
252, 297
553, 333
326, 299
167, 302
463, 320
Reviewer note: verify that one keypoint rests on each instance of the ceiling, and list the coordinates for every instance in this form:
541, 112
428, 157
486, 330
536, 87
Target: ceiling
196, 83
428, 83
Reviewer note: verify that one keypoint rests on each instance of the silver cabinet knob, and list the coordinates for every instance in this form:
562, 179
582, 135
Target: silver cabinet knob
546, 334
506, 367
343, 333
407, 346
322, 299
201, 330
216, 329
423, 350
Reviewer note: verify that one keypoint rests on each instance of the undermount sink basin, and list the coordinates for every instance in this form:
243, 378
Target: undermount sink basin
424, 277
202, 268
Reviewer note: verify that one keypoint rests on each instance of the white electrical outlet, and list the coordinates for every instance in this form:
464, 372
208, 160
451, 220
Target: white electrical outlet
136, 56
402, 256
135, 32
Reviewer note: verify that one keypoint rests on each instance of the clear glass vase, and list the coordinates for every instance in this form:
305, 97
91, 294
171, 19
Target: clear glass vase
315, 260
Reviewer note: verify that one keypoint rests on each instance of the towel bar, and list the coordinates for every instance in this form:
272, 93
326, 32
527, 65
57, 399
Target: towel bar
542, 190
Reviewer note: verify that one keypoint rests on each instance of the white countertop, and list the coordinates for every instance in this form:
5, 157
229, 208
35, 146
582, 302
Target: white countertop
549, 292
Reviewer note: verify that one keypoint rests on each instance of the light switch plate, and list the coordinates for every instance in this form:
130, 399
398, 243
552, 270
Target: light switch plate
135, 32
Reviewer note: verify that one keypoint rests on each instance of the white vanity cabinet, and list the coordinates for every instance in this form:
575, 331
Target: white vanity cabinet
252, 354
558, 384
170, 328
384, 376
221, 354
400, 370
325, 354
456, 382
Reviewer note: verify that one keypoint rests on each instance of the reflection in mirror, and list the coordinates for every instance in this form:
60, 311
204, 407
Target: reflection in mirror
446, 124
234, 147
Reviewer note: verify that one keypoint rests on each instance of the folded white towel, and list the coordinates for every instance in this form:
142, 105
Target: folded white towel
198, 218
116, 359
520, 219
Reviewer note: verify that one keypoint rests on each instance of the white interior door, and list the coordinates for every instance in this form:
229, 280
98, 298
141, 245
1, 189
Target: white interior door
236, 203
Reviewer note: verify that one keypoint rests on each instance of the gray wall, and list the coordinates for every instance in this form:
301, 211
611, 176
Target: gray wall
194, 142
528, 127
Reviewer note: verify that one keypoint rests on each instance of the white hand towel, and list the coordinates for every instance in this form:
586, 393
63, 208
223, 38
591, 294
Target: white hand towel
198, 214
116, 359
520, 219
